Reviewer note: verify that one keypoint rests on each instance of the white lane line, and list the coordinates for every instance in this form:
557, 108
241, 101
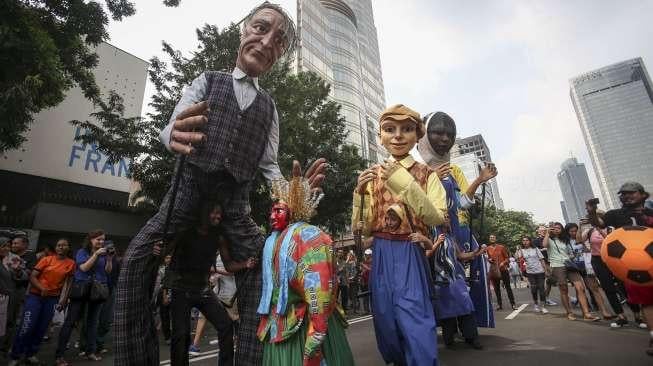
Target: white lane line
516, 312
361, 319
214, 353
210, 354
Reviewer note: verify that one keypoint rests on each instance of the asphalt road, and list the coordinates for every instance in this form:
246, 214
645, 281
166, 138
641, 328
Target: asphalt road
529, 339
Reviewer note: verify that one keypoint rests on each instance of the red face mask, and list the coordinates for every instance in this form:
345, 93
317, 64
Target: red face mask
279, 216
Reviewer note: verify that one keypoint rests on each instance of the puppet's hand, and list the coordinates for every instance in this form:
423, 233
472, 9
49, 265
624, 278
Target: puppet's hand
184, 135
314, 174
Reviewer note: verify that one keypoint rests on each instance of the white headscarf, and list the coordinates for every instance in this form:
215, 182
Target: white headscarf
430, 157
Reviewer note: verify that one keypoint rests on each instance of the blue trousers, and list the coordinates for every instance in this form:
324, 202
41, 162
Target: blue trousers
401, 304
37, 314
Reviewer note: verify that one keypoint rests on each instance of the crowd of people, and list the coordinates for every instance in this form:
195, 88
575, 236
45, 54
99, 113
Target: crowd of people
570, 255
273, 299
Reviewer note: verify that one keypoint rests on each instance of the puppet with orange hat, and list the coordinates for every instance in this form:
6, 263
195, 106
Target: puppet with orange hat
397, 202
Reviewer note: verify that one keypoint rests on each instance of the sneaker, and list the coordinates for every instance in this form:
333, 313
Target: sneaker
536, 308
619, 323
193, 351
640, 323
103, 350
167, 342
551, 302
544, 311
13, 363
94, 357
82, 354
33, 360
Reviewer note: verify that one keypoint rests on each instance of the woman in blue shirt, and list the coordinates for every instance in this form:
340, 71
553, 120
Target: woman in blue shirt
93, 263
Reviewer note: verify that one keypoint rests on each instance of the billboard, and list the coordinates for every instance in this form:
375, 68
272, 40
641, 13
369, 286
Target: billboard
51, 150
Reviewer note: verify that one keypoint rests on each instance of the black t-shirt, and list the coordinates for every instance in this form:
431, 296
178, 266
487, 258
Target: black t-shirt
30, 261
622, 217
192, 259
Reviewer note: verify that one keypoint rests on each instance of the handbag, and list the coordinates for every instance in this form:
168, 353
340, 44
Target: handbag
570, 265
99, 291
80, 290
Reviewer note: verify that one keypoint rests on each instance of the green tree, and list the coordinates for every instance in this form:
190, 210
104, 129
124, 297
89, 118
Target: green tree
509, 226
47, 48
310, 127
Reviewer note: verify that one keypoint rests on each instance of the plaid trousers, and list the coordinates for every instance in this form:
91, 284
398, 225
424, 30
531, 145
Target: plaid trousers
135, 339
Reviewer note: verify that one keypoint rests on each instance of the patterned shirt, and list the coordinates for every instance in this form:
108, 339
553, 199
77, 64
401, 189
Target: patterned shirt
311, 290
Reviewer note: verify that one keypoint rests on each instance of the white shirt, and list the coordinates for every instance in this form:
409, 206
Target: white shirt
245, 89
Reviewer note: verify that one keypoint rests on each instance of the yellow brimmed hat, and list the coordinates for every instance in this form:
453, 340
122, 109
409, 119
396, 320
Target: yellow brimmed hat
401, 113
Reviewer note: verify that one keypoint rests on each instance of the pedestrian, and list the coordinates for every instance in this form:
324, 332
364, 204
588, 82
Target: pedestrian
89, 290
366, 268
633, 211
499, 257
535, 272
434, 148
106, 313
193, 255
223, 157
453, 304
515, 272
404, 320
343, 279
162, 296
300, 320
353, 280
556, 240
12, 268
20, 250
50, 278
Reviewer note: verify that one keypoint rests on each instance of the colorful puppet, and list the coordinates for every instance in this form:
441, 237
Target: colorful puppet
301, 322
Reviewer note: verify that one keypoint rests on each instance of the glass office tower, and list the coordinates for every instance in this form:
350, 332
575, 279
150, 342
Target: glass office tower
614, 106
338, 41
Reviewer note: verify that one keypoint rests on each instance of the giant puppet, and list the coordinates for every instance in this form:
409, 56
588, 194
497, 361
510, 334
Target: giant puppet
400, 282
301, 321
226, 128
434, 149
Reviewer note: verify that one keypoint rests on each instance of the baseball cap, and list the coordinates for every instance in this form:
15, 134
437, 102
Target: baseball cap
631, 187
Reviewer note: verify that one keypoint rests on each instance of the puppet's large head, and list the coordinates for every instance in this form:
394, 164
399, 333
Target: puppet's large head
294, 201
400, 128
267, 34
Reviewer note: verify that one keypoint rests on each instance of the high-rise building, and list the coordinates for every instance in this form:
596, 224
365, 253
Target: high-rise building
469, 153
565, 216
576, 189
338, 41
614, 106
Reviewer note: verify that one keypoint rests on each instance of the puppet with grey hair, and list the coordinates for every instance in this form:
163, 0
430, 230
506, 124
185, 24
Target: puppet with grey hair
225, 128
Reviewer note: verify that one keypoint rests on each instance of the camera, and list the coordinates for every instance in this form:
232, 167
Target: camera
594, 201
110, 247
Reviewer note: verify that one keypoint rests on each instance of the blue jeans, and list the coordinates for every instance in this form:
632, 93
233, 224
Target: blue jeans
92, 318
37, 314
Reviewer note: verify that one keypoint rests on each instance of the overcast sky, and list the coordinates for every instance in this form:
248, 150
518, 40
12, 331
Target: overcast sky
499, 68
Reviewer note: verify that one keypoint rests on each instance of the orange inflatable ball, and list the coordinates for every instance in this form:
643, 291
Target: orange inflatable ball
628, 252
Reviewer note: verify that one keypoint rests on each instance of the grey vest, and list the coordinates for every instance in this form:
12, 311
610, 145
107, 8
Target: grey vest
235, 139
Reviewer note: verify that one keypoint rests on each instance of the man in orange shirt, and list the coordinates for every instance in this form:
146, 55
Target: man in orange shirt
499, 255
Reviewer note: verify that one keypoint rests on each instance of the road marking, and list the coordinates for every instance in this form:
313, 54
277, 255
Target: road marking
516, 312
361, 319
199, 357
214, 353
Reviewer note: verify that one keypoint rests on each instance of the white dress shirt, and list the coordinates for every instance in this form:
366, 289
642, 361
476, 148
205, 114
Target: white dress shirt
246, 89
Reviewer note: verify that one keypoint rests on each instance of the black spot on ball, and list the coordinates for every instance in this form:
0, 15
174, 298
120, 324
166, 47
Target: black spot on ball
639, 276
616, 249
634, 228
649, 249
